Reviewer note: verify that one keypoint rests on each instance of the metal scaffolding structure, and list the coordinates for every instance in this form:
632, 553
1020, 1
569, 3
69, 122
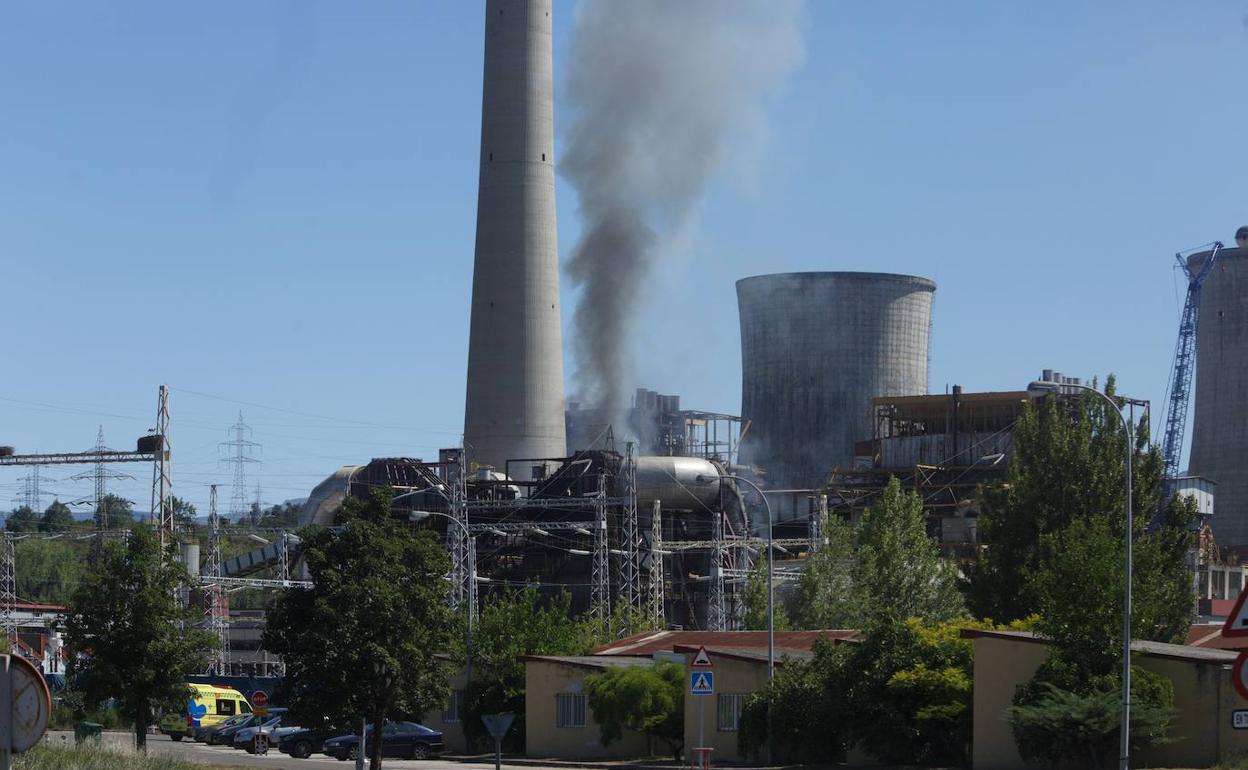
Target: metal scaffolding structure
463, 582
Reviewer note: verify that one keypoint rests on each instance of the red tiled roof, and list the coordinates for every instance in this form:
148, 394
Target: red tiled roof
1209, 635
668, 641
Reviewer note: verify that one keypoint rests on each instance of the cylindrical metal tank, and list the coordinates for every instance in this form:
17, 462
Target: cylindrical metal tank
190, 557
1220, 431
679, 483
815, 349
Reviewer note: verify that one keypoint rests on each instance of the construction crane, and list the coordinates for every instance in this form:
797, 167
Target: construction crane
1184, 365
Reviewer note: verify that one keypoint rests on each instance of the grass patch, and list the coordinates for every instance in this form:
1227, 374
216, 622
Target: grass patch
55, 758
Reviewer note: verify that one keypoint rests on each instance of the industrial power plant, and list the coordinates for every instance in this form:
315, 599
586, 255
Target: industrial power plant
665, 509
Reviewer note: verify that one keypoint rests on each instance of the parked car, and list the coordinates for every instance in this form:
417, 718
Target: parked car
243, 739
302, 743
202, 732
398, 739
225, 736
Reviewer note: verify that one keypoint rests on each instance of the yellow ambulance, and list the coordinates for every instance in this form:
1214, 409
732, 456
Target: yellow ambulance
206, 706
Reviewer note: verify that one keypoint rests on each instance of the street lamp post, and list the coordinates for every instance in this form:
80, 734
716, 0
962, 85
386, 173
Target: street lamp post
771, 609
472, 577
1124, 741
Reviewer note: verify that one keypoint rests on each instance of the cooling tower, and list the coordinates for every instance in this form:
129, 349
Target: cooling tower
514, 406
815, 349
1220, 431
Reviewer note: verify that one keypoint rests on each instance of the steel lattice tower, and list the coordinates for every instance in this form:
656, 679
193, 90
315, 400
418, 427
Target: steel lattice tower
8, 588
239, 452
100, 476
218, 613
657, 613
32, 493
630, 535
162, 471
600, 578
717, 614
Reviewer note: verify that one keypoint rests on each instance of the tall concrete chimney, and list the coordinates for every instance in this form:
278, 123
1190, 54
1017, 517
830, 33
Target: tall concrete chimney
514, 406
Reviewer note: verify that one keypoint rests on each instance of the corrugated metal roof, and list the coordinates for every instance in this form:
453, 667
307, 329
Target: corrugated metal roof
667, 641
588, 661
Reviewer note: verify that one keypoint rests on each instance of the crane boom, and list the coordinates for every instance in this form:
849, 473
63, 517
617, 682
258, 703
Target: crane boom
1184, 367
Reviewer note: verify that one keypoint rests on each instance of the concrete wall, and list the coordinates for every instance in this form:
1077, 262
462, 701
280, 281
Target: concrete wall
543, 681
514, 406
815, 349
1000, 667
1203, 699
1219, 440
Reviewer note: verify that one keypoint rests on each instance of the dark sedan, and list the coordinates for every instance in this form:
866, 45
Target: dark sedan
226, 737
201, 733
302, 744
398, 739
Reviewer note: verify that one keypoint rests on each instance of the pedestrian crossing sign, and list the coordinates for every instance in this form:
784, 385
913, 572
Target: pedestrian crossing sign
702, 683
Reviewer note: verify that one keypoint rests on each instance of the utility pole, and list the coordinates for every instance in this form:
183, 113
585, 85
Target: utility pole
162, 471
218, 610
239, 451
716, 619
630, 546
100, 476
657, 614
463, 584
600, 578
32, 493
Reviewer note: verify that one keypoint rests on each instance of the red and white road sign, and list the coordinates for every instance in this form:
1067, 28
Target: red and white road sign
701, 659
260, 702
1237, 622
1238, 673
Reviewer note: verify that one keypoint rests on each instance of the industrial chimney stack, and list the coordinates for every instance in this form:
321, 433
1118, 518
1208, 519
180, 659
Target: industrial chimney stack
514, 405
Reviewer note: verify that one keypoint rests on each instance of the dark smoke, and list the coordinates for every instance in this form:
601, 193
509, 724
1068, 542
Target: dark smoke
657, 90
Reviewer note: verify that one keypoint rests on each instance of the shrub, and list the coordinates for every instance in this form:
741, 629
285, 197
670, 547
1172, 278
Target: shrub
1055, 720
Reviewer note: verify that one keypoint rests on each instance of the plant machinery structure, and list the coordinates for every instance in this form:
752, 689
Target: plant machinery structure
1197, 269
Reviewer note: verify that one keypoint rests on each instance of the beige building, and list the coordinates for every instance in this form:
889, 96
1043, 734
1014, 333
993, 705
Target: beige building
560, 724
1203, 699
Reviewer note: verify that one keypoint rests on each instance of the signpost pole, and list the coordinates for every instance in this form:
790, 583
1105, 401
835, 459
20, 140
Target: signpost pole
701, 725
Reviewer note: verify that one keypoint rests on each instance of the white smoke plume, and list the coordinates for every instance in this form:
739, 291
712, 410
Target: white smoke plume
656, 90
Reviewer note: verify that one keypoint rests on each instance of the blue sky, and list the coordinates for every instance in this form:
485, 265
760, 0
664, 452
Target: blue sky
273, 203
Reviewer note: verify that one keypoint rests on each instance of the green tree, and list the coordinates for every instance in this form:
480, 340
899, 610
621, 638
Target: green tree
512, 624
756, 601
825, 596
1053, 536
808, 716
183, 513
284, 516
899, 569
119, 512
128, 635
50, 571
22, 519
56, 518
644, 699
1067, 467
363, 640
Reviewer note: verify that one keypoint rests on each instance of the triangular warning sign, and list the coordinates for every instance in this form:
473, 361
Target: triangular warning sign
701, 660
701, 682
1237, 622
